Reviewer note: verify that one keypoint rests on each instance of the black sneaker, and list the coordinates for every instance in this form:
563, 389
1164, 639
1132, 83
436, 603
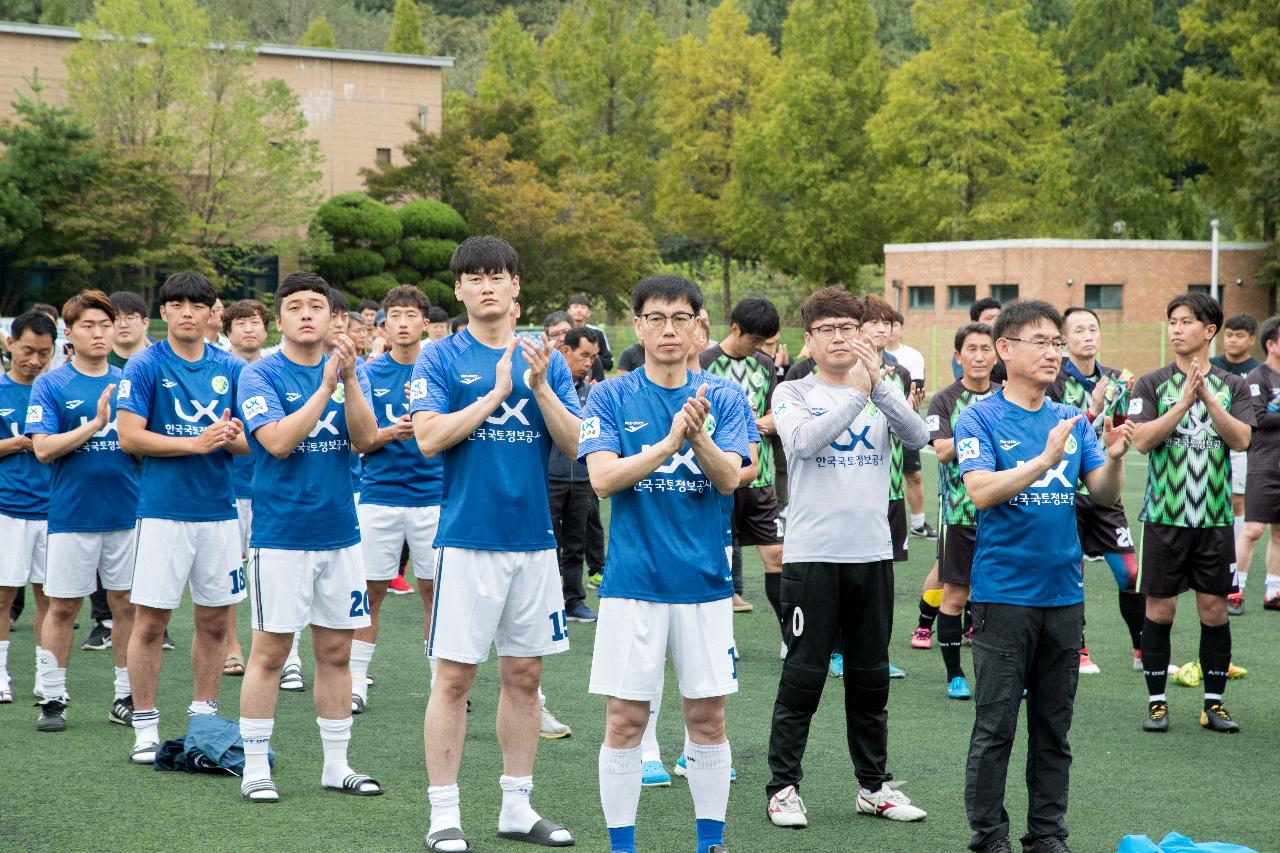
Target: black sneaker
99, 639
122, 711
53, 716
1216, 719
1001, 846
1047, 844
167, 642
1157, 717
924, 531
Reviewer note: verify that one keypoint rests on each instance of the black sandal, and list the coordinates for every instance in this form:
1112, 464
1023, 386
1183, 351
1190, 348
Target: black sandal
351, 785
259, 786
539, 833
451, 833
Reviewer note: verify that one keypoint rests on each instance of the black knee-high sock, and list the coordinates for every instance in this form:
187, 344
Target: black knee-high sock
1215, 659
968, 616
1133, 606
773, 590
927, 614
1155, 656
949, 642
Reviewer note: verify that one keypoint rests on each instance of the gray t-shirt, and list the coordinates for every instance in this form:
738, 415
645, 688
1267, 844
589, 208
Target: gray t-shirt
838, 459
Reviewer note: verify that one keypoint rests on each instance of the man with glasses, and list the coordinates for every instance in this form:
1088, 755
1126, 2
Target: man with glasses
132, 317
1020, 458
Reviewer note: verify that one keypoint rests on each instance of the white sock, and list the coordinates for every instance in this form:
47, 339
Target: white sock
650, 750
122, 682
293, 657
1242, 578
708, 767
361, 657
202, 708
55, 682
516, 815
335, 735
256, 735
620, 778
44, 662
1273, 584
445, 813
1156, 697
146, 726
917, 519
4, 655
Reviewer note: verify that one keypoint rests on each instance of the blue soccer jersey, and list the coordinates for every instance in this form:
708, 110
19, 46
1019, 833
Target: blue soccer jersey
663, 531
180, 399
94, 488
1028, 551
495, 482
242, 476
305, 500
397, 474
24, 482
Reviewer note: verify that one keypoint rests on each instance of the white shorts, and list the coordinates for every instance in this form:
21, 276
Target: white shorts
293, 589
385, 529
508, 599
634, 639
173, 554
22, 550
1239, 467
244, 519
76, 561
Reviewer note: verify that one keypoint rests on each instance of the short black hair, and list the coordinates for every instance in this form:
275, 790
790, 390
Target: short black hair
187, 286
986, 303
1269, 333
368, 305
1076, 309
37, 322
968, 329
1242, 323
484, 255
299, 281
579, 299
46, 309
457, 323
756, 317
1205, 308
406, 296
436, 314
1020, 313
128, 302
899, 319
338, 301
556, 317
665, 288
578, 334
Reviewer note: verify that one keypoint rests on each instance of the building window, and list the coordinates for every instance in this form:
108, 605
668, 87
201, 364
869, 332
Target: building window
920, 298
961, 296
1206, 289
383, 155
1103, 297
1004, 292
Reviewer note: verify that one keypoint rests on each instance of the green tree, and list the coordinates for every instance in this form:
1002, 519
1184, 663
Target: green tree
969, 138
406, 29
319, 34
707, 90
511, 62
800, 198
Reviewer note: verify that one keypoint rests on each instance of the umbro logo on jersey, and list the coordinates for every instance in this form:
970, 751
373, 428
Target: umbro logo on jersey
635, 426
4, 413
468, 378
1009, 443
381, 392
73, 404
292, 396
168, 383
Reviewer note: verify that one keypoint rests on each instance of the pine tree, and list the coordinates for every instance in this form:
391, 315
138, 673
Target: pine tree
406, 29
319, 34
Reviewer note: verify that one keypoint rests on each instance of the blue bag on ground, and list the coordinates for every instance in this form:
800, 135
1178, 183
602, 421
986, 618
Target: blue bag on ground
212, 745
1177, 843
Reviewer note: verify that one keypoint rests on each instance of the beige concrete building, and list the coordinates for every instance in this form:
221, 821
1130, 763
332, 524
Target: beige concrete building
1127, 282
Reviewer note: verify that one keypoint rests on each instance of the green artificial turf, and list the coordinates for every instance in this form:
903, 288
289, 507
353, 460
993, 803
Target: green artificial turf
75, 791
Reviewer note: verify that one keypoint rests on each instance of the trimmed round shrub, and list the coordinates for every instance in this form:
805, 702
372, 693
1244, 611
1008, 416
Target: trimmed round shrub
427, 255
444, 277
440, 294
357, 218
392, 254
406, 275
428, 218
347, 264
373, 286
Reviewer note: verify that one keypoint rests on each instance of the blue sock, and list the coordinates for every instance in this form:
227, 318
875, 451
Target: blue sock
622, 839
1115, 562
710, 833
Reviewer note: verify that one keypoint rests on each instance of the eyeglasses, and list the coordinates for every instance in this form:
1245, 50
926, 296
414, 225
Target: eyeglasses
828, 330
658, 321
1043, 344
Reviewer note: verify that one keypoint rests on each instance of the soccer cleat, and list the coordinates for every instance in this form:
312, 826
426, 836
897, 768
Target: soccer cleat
741, 605
922, 638
787, 810
291, 679
958, 688
122, 711
1087, 666
357, 703
1137, 661
1234, 671
835, 668
655, 775
580, 612
551, 728
53, 716
1272, 601
99, 639
1216, 719
594, 579
1235, 604
889, 803
166, 642
1157, 717
1188, 675
924, 531
896, 672
144, 754
682, 769
399, 586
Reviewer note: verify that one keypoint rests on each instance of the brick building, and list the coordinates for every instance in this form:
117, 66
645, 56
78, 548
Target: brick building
1128, 283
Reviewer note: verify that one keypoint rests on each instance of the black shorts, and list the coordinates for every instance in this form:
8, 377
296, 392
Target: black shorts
1175, 559
755, 516
1262, 495
910, 460
1102, 529
956, 544
898, 529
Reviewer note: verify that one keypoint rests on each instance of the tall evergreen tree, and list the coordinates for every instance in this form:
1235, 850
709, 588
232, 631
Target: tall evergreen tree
406, 29
319, 34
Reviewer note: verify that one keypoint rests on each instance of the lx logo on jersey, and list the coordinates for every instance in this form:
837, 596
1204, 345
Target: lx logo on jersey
850, 440
1054, 474
680, 460
105, 431
509, 412
201, 411
325, 424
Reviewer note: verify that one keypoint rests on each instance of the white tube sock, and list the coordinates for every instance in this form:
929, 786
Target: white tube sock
709, 778
361, 657
620, 779
122, 686
446, 813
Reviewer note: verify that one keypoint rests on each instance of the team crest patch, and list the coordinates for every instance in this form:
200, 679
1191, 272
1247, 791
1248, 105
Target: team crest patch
418, 389
254, 406
221, 385
709, 425
35, 414
967, 448
590, 429
1071, 445
780, 409
872, 410
525, 377
1254, 390
126, 388
1135, 406
933, 423
339, 394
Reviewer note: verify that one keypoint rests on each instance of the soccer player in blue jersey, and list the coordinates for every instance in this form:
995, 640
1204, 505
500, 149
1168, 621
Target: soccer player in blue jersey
400, 500
176, 399
304, 411
492, 404
93, 500
666, 445
1020, 457
24, 485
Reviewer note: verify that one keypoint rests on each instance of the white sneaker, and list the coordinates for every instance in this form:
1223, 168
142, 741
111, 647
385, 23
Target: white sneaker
1087, 666
787, 810
889, 803
553, 729
782, 651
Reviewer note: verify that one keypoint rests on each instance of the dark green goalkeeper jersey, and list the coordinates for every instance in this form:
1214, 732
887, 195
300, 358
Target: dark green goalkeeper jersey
944, 410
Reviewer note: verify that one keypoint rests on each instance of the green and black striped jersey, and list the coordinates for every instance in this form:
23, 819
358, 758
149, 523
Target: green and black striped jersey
900, 378
944, 410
